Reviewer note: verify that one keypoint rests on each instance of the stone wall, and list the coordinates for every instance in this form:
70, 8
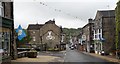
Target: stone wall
109, 34
55, 33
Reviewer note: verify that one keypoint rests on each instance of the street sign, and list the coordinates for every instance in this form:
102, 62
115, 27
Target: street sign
83, 37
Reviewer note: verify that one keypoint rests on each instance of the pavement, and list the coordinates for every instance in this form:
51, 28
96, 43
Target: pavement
108, 57
68, 56
79, 57
43, 57
38, 59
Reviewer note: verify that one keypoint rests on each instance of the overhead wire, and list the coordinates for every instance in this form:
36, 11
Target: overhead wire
58, 10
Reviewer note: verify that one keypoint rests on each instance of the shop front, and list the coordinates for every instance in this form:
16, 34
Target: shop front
98, 47
6, 39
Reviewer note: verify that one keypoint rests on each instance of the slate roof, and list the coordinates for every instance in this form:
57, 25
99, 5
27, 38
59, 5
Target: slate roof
34, 26
38, 26
106, 13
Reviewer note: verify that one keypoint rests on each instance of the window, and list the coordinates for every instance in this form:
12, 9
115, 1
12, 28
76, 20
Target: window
0, 40
1, 9
33, 31
34, 38
95, 36
99, 30
5, 43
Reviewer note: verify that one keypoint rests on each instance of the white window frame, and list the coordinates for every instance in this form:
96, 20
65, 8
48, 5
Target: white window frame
1, 10
34, 39
34, 32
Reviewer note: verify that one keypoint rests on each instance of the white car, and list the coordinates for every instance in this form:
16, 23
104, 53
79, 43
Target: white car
71, 47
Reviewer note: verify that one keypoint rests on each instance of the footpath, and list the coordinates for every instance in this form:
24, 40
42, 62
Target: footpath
38, 59
42, 57
108, 57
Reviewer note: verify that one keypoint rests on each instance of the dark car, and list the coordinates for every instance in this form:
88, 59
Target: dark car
38, 48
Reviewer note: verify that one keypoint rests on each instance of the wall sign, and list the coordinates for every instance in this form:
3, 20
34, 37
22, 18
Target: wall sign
83, 37
50, 36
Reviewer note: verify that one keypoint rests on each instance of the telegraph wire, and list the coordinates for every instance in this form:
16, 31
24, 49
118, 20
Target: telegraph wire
60, 11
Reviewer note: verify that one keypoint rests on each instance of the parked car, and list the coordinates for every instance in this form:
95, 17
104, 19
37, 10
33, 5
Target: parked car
38, 49
75, 46
72, 48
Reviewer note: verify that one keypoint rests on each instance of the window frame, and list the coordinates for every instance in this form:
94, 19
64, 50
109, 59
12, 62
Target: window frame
1, 10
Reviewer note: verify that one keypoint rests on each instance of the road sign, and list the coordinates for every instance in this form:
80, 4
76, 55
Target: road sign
83, 37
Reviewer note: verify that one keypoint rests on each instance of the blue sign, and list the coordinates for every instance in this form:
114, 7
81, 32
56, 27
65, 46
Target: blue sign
21, 33
101, 39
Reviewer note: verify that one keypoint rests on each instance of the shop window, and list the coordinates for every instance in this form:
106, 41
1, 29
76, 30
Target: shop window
0, 40
5, 43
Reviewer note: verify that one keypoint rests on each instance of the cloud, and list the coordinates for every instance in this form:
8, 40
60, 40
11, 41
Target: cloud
71, 14
64, 0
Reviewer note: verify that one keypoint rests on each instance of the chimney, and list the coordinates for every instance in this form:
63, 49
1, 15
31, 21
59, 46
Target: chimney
50, 22
90, 20
53, 20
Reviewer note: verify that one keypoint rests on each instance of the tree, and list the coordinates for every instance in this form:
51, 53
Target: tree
25, 40
117, 18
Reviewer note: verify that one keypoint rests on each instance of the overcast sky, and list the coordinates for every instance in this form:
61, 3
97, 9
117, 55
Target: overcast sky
67, 13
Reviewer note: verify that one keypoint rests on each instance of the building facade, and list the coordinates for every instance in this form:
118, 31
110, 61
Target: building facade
6, 31
87, 36
48, 35
34, 31
104, 31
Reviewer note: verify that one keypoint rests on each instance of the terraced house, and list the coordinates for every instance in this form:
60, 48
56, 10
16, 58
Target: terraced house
6, 31
104, 31
87, 36
46, 35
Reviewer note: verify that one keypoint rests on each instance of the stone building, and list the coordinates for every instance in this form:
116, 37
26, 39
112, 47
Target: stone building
48, 35
104, 31
87, 36
7, 48
34, 31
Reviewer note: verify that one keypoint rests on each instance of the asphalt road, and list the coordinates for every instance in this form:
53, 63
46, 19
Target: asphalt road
68, 57
75, 56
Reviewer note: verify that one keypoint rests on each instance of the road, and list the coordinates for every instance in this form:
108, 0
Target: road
81, 58
65, 57
60, 55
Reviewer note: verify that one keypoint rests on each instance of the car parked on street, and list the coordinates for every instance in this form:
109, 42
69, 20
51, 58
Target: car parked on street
72, 48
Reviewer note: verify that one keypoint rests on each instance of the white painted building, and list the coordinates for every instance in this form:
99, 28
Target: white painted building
98, 44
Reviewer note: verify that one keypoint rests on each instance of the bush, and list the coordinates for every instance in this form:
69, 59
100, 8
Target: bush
50, 49
32, 53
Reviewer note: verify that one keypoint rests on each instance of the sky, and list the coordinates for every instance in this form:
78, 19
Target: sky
67, 13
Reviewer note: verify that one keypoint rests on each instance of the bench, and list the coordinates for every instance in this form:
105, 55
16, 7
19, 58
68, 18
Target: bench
22, 54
